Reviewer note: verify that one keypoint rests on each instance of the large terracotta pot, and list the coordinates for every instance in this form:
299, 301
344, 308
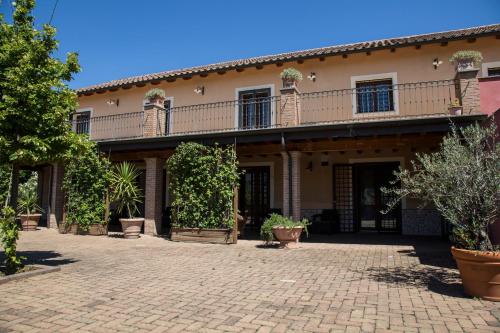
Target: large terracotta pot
288, 237
480, 273
30, 222
132, 227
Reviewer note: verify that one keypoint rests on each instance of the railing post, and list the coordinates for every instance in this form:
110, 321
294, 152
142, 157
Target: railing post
467, 90
152, 122
289, 107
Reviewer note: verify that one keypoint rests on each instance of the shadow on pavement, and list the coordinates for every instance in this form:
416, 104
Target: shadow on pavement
48, 258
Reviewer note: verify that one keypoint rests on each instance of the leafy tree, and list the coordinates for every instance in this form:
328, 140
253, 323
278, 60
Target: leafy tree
35, 102
202, 181
462, 180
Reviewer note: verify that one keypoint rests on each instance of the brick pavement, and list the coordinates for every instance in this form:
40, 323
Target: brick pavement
110, 284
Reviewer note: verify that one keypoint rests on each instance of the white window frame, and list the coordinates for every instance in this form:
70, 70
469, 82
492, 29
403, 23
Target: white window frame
487, 65
371, 77
271, 177
87, 109
237, 95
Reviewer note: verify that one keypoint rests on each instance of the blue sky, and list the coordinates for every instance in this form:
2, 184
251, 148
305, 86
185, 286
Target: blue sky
120, 38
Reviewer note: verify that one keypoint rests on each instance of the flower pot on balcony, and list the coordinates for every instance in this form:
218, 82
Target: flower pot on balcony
465, 65
132, 227
29, 222
480, 273
289, 83
288, 237
455, 110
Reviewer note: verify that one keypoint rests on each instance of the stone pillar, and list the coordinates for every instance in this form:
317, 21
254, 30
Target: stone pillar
467, 90
154, 119
286, 184
152, 197
289, 107
296, 203
56, 197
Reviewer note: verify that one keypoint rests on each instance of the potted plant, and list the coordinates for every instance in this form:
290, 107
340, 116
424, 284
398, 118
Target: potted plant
462, 182
155, 96
28, 205
127, 195
202, 184
290, 77
466, 60
284, 229
455, 108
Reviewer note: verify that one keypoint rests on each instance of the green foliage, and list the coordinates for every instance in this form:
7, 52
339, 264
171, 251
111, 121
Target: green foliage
4, 183
155, 93
462, 180
86, 180
277, 220
35, 101
9, 234
125, 192
28, 196
291, 74
202, 182
475, 56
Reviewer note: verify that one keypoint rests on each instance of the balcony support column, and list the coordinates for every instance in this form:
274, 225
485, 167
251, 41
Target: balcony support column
289, 107
286, 183
154, 113
296, 191
467, 90
153, 196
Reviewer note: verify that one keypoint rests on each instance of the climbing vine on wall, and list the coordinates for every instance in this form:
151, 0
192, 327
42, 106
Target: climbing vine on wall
202, 182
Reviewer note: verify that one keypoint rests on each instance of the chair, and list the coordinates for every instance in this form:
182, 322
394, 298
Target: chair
327, 222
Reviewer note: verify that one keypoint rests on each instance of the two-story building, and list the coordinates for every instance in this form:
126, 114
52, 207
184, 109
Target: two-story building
325, 147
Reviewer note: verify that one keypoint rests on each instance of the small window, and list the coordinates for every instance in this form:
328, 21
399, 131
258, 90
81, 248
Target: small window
494, 71
82, 122
374, 96
254, 108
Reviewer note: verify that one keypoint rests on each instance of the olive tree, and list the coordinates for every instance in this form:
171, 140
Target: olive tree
462, 181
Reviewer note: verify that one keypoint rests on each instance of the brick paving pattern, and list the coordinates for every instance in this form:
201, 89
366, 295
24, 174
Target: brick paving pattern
109, 284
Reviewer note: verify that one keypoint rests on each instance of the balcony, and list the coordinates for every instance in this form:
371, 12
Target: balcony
391, 102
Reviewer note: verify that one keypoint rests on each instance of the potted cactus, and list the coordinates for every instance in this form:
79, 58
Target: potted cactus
127, 196
28, 205
284, 229
466, 60
290, 77
155, 96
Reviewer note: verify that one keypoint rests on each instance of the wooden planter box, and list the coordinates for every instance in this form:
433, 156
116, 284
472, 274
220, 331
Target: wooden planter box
95, 230
218, 236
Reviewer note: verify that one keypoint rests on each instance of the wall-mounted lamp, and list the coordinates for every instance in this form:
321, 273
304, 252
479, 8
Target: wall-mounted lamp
324, 159
200, 90
113, 102
436, 63
312, 76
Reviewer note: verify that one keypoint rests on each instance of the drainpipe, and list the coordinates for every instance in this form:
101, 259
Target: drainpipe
290, 187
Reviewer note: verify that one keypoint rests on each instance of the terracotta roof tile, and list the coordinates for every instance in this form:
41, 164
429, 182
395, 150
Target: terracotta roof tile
323, 51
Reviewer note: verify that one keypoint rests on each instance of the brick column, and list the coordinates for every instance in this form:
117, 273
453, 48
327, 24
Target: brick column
468, 90
152, 197
290, 107
56, 197
154, 119
296, 203
44, 192
286, 185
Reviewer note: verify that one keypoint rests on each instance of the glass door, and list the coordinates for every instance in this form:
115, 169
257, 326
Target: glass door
254, 108
254, 195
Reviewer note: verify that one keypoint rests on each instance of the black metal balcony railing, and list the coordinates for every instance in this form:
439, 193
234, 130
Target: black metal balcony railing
399, 101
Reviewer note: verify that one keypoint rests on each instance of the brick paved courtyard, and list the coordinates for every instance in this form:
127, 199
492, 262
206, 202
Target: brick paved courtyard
153, 285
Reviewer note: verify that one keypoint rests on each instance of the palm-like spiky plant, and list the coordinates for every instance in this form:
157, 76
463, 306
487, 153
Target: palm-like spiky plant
125, 192
28, 197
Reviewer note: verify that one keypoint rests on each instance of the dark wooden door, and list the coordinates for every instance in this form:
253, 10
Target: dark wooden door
254, 194
369, 200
